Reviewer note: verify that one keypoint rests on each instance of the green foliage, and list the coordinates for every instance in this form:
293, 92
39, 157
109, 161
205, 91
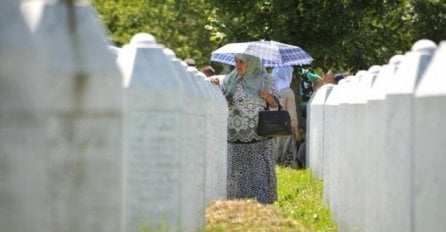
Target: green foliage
340, 34
343, 35
429, 19
178, 25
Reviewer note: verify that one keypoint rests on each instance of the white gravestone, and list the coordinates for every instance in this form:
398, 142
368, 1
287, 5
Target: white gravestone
84, 121
343, 166
211, 143
216, 154
216, 173
327, 156
220, 143
354, 148
429, 176
315, 132
192, 142
333, 126
198, 170
155, 168
398, 165
348, 157
22, 103
211, 165
114, 51
375, 137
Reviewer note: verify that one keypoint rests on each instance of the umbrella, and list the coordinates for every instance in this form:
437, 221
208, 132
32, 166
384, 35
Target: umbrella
272, 53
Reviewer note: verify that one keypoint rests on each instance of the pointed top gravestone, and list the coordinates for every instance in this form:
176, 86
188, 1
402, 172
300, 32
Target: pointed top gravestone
159, 175
315, 131
375, 128
382, 81
433, 81
429, 174
193, 184
22, 103
398, 151
411, 68
84, 183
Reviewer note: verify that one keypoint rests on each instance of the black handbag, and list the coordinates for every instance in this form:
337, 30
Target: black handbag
274, 123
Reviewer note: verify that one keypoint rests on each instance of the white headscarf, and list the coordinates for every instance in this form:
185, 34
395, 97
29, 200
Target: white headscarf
282, 76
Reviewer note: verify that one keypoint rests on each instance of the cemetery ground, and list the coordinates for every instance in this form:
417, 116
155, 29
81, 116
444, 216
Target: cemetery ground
299, 207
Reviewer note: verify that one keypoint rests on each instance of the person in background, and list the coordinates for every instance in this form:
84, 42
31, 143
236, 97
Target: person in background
301, 152
190, 62
327, 78
285, 152
302, 155
338, 77
251, 167
208, 71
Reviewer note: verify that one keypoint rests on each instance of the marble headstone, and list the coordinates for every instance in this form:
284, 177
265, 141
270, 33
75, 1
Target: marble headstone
22, 102
84, 159
396, 182
374, 154
315, 132
429, 183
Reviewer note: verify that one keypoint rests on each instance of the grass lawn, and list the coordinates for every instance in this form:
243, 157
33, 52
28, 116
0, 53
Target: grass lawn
299, 208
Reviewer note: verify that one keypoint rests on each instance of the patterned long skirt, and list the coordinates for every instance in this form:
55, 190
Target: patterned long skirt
251, 171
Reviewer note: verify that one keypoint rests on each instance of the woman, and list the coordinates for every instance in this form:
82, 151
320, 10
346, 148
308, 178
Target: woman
248, 88
286, 148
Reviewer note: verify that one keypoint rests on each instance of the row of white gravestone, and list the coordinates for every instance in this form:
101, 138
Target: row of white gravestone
176, 130
377, 141
89, 142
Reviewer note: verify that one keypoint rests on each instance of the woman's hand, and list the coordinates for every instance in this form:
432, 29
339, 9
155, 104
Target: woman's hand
265, 95
295, 133
215, 80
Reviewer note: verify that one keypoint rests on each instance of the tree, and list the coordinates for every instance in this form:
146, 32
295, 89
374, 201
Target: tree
429, 19
344, 35
178, 25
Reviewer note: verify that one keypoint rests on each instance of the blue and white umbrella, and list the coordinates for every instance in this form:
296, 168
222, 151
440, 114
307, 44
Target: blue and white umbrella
272, 53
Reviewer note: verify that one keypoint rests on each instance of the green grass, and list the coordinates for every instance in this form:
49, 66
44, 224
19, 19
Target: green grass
300, 198
299, 208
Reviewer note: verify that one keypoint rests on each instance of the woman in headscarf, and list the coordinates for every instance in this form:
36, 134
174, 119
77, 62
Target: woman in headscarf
251, 167
285, 152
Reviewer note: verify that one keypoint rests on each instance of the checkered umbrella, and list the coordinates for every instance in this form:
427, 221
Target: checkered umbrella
273, 54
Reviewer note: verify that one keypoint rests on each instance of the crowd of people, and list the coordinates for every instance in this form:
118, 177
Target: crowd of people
251, 159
